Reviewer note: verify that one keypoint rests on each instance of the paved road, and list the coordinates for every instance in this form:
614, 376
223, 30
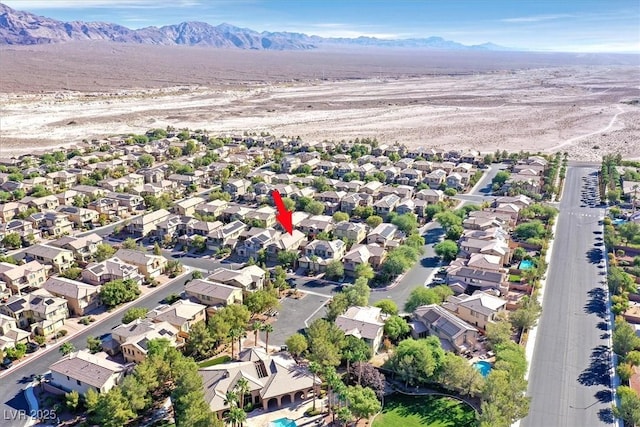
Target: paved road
569, 381
12, 383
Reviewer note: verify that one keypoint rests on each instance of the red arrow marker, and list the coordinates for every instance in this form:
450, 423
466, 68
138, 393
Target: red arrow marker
283, 216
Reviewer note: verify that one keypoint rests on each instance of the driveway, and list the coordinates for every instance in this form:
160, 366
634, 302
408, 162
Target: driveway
295, 315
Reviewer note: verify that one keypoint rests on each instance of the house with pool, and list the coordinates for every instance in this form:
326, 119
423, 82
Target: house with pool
274, 380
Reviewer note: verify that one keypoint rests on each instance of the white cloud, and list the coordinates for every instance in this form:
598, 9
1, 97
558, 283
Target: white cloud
536, 18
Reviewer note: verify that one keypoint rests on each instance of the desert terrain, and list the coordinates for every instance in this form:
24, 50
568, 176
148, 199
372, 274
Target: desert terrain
58, 95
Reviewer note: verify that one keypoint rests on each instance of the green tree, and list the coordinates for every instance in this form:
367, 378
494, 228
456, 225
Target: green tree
447, 249
67, 348
355, 350
119, 291
267, 329
297, 344
335, 270
407, 223
340, 216
146, 160
200, 343
387, 306
425, 296
530, 230
12, 240
417, 361
373, 221
628, 409
314, 207
73, 273
196, 275
261, 301
448, 219
130, 243
365, 271
72, 400
624, 339
527, 315
94, 344
362, 402
113, 409
459, 376
500, 178
91, 398
498, 333
287, 258
396, 327
136, 393
234, 316
134, 313
326, 341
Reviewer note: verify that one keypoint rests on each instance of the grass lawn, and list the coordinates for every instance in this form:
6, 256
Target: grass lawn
212, 362
420, 411
515, 278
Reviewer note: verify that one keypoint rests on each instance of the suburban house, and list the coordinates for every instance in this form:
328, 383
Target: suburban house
10, 334
81, 297
38, 311
80, 371
495, 247
430, 195
60, 259
249, 278
182, 315
454, 333
99, 273
373, 255
145, 224
23, 278
225, 236
150, 265
264, 217
435, 179
250, 247
285, 242
81, 217
461, 279
365, 323
274, 380
133, 337
319, 253
354, 232
10, 210
187, 207
386, 205
383, 234
51, 223
83, 247
315, 224
213, 293
478, 309
237, 187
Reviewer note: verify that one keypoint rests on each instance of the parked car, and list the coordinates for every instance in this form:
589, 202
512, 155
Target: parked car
32, 347
6, 363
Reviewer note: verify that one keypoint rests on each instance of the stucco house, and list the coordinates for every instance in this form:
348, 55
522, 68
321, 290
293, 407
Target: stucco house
150, 265
454, 333
81, 297
80, 371
365, 323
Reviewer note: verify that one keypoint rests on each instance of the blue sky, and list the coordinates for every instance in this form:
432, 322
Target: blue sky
555, 25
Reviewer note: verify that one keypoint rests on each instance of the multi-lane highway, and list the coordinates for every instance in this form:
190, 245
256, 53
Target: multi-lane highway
570, 376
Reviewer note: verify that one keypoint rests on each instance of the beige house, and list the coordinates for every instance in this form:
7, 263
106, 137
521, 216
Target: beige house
354, 232
274, 380
249, 278
10, 334
383, 234
149, 265
39, 311
213, 293
81, 297
99, 273
188, 206
319, 253
145, 224
285, 242
182, 315
60, 259
478, 309
454, 333
365, 323
83, 247
133, 337
373, 255
21, 278
81, 371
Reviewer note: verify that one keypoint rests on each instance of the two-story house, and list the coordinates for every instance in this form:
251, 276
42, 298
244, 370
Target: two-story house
60, 259
133, 337
81, 297
145, 224
83, 247
319, 253
383, 235
38, 311
182, 315
365, 323
99, 273
479, 309
23, 278
80, 371
352, 231
454, 333
150, 265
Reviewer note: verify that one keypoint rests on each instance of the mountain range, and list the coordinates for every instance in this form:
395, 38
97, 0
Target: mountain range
24, 28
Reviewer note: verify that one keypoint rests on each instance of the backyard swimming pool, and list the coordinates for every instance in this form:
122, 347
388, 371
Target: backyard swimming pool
283, 422
525, 264
483, 367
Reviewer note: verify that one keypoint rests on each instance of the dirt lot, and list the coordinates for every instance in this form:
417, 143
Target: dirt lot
470, 101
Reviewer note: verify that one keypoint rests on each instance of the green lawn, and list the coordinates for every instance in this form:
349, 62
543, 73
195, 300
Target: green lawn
515, 278
212, 362
420, 411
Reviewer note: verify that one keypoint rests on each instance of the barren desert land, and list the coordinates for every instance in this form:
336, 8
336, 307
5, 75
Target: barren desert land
586, 105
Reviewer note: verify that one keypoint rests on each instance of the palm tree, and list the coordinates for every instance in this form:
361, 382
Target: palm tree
314, 367
242, 387
233, 334
40, 379
267, 330
241, 334
256, 326
236, 417
231, 399
67, 348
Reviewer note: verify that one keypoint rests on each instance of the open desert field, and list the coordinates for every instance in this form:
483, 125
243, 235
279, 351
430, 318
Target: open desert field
56, 95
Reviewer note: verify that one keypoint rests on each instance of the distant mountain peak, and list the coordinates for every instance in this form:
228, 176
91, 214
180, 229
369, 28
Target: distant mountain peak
24, 28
